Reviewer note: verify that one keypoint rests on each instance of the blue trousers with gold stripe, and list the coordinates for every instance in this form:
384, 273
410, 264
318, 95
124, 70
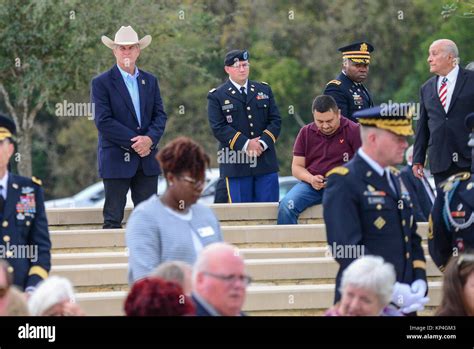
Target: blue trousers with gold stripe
262, 188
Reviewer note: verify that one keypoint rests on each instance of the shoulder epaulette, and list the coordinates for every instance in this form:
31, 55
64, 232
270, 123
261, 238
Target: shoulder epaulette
336, 82
447, 185
211, 91
36, 180
265, 83
340, 170
394, 170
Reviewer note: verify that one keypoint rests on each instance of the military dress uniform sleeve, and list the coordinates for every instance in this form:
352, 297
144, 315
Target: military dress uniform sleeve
419, 262
39, 236
272, 131
422, 135
340, 199
225, 133
333, 89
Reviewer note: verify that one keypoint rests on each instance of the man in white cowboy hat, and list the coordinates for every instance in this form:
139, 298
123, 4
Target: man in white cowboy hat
129, 115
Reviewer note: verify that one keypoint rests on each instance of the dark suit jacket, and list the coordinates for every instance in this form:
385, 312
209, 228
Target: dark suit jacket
117, 123
444, 134
421, 200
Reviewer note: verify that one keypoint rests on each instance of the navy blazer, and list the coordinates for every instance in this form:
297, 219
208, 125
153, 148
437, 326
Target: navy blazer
117, 123
443, 135
422, 204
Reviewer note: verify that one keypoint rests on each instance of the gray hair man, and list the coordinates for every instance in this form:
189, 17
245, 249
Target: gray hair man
219, 281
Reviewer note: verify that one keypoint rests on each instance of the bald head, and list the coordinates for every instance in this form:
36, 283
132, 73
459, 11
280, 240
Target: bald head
211, 257
219, 278
443, 56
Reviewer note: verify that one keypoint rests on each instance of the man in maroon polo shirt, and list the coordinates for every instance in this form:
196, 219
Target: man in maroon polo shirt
330, 141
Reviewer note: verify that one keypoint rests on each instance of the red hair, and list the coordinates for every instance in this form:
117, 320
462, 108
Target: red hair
183, 154
153, 296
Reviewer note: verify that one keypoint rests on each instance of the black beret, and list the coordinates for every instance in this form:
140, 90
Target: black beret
236, 55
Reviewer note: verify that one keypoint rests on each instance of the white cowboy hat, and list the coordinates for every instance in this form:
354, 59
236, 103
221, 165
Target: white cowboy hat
126, 36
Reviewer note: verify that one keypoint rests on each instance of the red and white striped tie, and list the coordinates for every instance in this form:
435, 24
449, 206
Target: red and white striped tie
443, 92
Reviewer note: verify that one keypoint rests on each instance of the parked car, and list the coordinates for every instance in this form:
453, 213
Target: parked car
207, 196
94, 195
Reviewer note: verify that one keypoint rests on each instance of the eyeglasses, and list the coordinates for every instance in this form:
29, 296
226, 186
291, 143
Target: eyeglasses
231, 278
192, 181
236, 65
3, 291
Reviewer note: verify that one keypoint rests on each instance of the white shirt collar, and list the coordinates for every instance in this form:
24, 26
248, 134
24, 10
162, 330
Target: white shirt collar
372, 163
4, 184
237, 86
453, 74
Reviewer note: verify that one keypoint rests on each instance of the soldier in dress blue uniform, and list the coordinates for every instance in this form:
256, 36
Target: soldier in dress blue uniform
451, 230
25, 241
245, 120
347, 89
377, 212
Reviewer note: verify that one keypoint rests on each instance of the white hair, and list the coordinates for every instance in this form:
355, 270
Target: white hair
470, 66
51, 291
449, 47
371, 273
174, 271
208, 253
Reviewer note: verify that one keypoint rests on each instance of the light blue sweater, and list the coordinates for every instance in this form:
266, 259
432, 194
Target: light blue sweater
155, 235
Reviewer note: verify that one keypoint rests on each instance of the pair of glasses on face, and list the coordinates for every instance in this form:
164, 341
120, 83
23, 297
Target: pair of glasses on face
231, 278
244, 66
192, 181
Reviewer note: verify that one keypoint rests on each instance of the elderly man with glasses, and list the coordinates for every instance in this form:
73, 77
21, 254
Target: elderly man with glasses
245, 120
219, 281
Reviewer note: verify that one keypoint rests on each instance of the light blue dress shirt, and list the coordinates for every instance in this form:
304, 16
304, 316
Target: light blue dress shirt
131, 81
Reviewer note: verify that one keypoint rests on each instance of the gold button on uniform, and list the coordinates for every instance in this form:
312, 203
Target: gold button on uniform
379, 207
406, 238
408, 255
404, 222
10, 269
5, 224
251, 125
251, 133
250, 116
248, 108
9, 253
28, 223
6, 238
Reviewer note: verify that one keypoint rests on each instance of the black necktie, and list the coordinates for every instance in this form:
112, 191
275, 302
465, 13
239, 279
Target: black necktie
242, 90
2, 199
390, 182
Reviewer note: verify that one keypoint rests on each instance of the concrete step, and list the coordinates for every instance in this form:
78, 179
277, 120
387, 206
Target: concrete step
248, 253
268, 300
248, 236
261, 270
228, 214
